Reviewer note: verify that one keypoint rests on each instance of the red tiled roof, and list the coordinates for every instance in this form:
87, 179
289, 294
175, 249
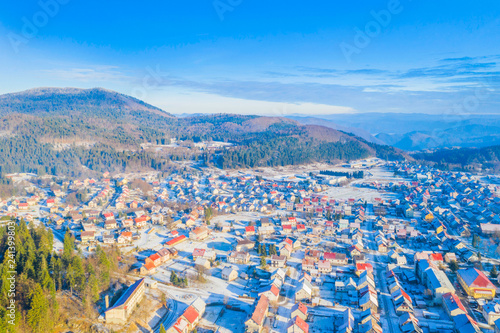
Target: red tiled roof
154, 257
191, 314
198, 252
364, 267
405, 295
260, 310
436, 257
143, 218
275, 290
301, 324
199, 230
149, 265
302, 308
176, 240
329, 255
307, 262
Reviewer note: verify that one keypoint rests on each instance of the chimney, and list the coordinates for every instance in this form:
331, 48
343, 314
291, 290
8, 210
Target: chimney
106, 301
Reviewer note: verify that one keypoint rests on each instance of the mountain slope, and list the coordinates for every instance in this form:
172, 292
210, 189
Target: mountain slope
328, 123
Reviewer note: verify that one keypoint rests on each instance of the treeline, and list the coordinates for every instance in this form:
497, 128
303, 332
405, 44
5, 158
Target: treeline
280, 151
8, 188
42, 274
462, 156
27, 154
487, 157
354, 174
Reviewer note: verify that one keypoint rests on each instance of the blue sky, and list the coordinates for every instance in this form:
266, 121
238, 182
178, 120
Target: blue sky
259, 57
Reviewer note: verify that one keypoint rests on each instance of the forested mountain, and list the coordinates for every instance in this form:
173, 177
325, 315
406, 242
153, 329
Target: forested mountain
75, 131
486, 158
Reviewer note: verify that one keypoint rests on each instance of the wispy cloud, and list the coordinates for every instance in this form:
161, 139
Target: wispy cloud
98, 73
446, 68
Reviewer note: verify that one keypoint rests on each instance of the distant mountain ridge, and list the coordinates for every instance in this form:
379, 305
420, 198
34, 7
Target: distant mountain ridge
472, 135
419, 131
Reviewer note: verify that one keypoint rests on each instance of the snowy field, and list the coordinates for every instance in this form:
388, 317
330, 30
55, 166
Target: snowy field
381, 175
349, 192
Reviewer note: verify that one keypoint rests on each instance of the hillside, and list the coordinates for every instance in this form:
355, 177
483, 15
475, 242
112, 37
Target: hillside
328, 123
483, 159
73, 102
79, 131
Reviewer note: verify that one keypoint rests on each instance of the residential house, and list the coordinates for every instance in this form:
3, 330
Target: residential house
256, 321
229, 274
278, 261
299, 310
236, 257
297, 325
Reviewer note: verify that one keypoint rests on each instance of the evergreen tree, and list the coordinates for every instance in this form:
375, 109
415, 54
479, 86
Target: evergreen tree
79, 274
70, 277
94, 288
475, 240
173, 278
37, 316
453, 266
493, 272
262, 262
68, 247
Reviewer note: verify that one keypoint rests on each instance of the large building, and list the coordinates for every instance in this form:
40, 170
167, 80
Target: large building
438, 283
123, 307
476, 284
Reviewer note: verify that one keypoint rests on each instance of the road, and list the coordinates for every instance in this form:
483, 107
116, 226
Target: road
389, 310
291, 289
169, 319
390, 316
